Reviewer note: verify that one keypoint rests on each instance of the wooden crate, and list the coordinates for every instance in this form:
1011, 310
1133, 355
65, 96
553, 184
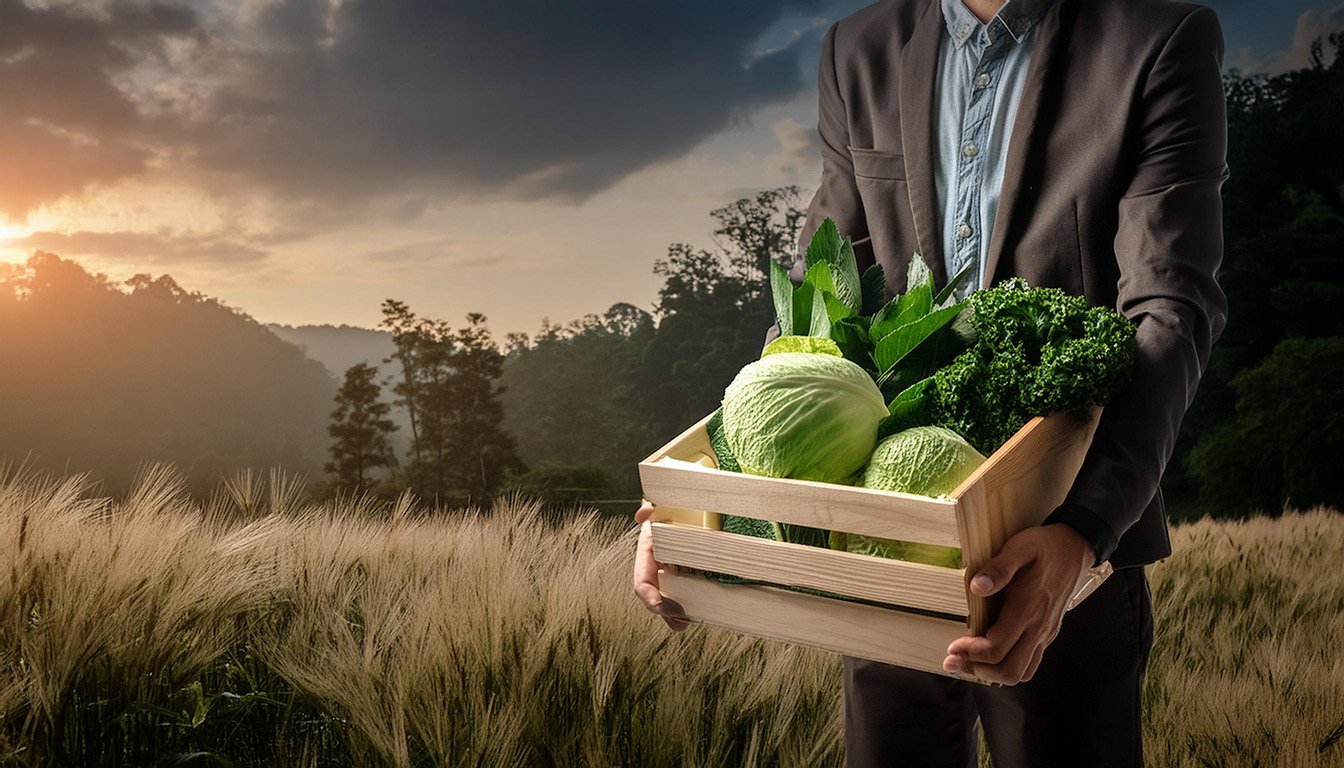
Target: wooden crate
900, 612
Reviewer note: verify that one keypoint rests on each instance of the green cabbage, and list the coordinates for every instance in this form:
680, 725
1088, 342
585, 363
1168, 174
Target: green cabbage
929, 461
804, 416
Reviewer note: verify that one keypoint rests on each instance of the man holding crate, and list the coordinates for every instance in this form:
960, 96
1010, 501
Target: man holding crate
1079, 144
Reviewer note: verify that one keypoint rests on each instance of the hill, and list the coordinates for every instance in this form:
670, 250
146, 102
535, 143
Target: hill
100, 376
340, 346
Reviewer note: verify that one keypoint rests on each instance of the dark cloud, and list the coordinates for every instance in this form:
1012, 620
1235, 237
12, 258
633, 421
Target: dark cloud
66, 121
311, 100
521, 98
143, 247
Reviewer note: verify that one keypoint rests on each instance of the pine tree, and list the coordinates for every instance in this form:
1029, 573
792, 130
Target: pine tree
406, 336
360, 427
481, 453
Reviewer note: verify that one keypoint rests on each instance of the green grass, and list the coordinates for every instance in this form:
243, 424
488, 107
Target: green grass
259, 630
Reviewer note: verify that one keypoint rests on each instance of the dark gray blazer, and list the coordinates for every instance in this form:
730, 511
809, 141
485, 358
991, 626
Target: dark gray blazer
1112, 191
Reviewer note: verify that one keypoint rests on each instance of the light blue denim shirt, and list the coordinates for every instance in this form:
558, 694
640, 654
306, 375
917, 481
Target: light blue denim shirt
981, 71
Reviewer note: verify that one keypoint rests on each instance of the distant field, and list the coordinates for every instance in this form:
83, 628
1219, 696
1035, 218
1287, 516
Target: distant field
259, 631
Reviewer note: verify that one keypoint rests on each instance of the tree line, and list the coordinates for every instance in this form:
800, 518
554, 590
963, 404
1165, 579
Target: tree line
583, 402
566, 413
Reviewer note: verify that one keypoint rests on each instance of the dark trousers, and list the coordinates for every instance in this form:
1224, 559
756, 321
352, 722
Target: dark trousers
1082, 708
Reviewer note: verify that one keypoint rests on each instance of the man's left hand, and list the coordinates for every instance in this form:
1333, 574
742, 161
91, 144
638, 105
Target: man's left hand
1037, 570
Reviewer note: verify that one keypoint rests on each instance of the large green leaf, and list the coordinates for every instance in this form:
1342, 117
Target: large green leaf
910, 408
836, 309
884, 320
917, 274
848, 283
945, 297
936, 351
915, 303
852, 339
874, 282
897, 344
820, 325
810, 344
825, 245
819, 276
802, 309
781, 289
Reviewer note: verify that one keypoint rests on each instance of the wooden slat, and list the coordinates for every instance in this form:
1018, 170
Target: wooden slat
895, 582
1015, 489
679, 485
887, 635
820, 505
689, 445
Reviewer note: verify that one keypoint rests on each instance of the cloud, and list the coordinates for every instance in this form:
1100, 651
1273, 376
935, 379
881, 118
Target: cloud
347, 102
799, 149
142, 247
65, 121
516, 99
439, 249
1312, 28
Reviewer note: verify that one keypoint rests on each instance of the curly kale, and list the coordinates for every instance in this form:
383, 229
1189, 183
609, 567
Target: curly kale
1039, 351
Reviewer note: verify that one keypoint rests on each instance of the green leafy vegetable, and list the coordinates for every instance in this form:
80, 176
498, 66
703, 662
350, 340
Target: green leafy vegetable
874, 282
810, 344
1039, 351
746, 526
804, 416
930, 461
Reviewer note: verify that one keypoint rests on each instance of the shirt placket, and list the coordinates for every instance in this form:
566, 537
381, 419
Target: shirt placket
987, 49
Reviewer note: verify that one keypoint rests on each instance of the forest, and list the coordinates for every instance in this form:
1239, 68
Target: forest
101, 376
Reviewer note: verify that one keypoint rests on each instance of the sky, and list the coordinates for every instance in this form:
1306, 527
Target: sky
303, 160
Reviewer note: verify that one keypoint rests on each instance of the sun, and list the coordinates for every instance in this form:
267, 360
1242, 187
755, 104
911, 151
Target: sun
9, 232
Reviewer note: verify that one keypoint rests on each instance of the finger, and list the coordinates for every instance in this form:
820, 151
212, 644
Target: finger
1010, 670
995, 575
646, 567
646, 584
668, 610
997, 642
675, 624
1035, 662
645, 511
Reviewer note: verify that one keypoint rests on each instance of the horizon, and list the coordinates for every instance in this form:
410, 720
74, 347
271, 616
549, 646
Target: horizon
308, 195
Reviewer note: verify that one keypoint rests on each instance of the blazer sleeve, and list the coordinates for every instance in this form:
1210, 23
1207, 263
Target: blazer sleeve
837, 197
1168, 246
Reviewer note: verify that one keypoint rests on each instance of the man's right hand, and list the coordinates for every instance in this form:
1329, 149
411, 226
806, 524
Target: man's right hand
646, 575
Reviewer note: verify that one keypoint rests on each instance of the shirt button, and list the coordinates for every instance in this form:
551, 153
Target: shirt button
971, 149
982, 79
964, 230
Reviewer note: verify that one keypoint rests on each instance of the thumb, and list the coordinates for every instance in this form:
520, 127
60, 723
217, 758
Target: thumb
995, 575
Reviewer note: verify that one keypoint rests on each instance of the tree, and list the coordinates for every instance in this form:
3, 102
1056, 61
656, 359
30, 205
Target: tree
99, 376
607, 390
460, 451
1285, 444
1283, 214
481, 452
425, 393
578, 395
562, 484
754, 231
402, 323
360, 428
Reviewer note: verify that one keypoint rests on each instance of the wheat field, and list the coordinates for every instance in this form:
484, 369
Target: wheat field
259, 629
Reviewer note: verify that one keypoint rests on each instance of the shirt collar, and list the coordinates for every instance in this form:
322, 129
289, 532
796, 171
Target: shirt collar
1016, 17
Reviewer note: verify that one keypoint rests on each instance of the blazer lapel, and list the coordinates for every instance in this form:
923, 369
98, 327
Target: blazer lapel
919, 70
1025, 126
